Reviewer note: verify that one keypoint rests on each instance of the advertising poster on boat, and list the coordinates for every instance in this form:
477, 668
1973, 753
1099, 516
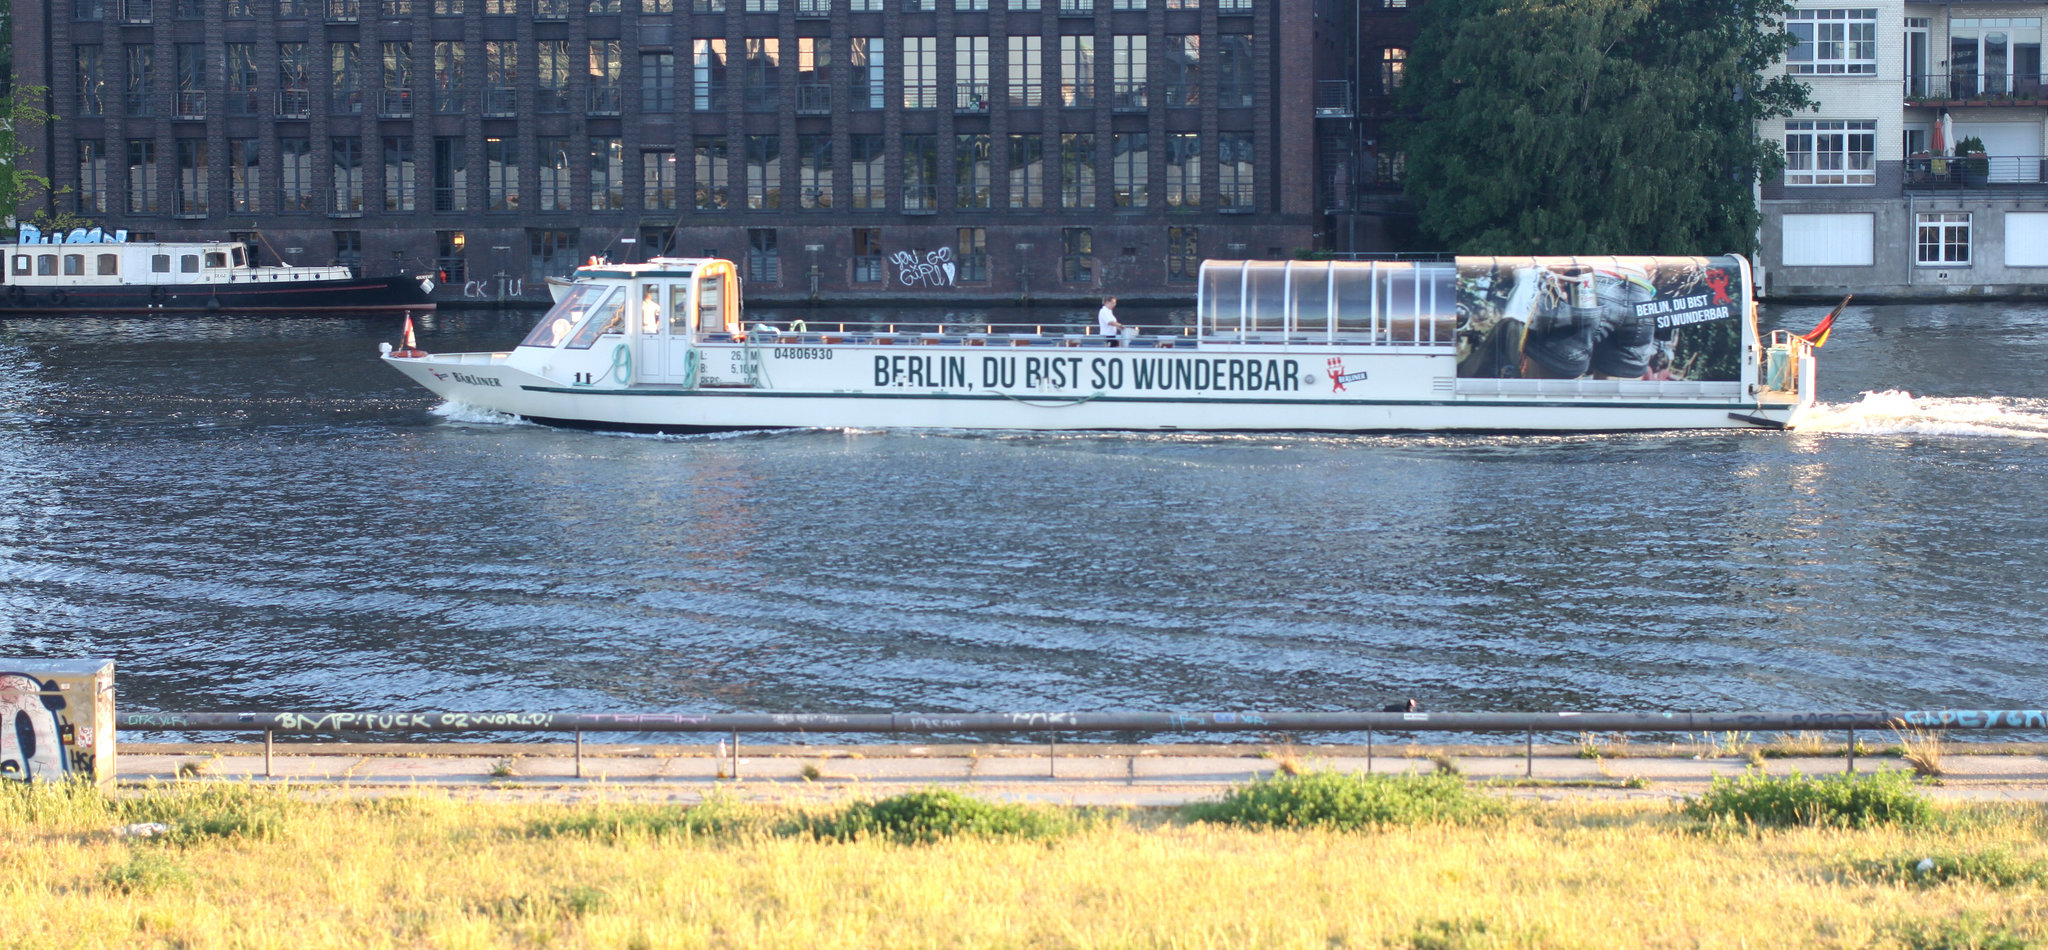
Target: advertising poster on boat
1652, 318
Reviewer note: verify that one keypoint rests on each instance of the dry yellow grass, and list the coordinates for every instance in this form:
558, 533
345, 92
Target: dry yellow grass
437, 872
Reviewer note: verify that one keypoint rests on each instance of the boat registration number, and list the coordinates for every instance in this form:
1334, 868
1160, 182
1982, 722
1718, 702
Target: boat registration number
802, 353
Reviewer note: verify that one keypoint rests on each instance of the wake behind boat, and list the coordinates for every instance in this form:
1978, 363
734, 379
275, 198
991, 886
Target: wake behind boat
103, 272
1482, 343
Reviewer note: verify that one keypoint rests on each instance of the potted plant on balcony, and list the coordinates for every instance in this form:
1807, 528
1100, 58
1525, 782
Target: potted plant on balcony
1976, 167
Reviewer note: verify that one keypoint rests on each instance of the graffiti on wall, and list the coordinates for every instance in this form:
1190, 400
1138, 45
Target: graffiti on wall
490, 287
33, 730
934, 269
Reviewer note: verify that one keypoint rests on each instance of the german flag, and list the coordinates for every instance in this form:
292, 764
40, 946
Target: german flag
1818, 336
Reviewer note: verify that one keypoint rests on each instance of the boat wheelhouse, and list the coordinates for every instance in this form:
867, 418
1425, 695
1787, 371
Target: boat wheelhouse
1496, 344
93, 271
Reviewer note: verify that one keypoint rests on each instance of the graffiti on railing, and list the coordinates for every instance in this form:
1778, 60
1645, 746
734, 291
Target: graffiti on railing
934, 269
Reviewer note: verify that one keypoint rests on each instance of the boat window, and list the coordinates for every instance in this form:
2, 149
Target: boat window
188, 263
241, 257
609, 318
216, 259
46, 265
110, 264
711, 303
563, 317
678, 309
74, 265
21, 265
160, 263
650, 309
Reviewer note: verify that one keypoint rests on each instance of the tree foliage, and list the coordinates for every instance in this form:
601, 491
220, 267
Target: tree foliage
20, 111
1593, 126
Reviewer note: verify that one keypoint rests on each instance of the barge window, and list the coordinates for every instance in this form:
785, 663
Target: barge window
160, 263
610, 319
46, 265
21, 265
216, 259
188, 263
110, 265
74, 265
563, 317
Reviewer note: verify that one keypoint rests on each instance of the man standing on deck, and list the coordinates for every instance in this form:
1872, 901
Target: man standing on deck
1107, 324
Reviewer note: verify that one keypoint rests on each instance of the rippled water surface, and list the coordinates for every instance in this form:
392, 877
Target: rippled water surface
253, 513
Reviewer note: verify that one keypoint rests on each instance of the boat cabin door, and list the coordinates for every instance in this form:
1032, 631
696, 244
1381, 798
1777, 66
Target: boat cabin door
665, 330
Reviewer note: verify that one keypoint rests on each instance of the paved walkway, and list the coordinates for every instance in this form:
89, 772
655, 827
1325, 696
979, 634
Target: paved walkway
1078, 774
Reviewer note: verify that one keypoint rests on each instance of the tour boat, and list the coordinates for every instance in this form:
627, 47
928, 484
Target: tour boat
1479, 343
95, 271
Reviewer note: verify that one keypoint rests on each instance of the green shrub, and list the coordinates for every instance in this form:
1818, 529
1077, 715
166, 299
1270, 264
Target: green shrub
1854, 801
50, 806
196, 812
1993, 867
715, 816
1348, 801
145, 873
934, 814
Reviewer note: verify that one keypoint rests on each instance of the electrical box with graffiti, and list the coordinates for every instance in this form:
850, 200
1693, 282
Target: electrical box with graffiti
57, 720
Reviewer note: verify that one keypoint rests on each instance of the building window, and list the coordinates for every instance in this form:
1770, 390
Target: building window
553, 94
1183, 257
866, 57
448, 92
193, 193
1077, 255
140, 79
658, 82
245, 174
606, 75
970, 73
1183, 171
870, 189
764, 264
346, 151
344, 11
1393, 69
348, 250
761, 74
764, 172
451, 174
242, 79
294, 9
714, 176
1077, 71
397, 83
708, 69
295, 173
1235, 191
554, 173
658, 179
867, 255
190, 59
1130, 165
1127, 72
501, 78
972, 169
813, 59
92, 80
449, 256
142, 196
92, 177
1234, 70
920, 72
1077, 170
294, 97
553, 252
501, 175
814, 172
345, 80
86, 10
447, 7
1026, 71
398, 173
1183, 67
972, 250
1027, 172
135, 11
1944, 238
1822, 152
1832, 42
920, 173
607, 174
1990, 56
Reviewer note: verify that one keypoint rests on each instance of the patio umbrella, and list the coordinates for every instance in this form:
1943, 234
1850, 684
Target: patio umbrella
1940, 144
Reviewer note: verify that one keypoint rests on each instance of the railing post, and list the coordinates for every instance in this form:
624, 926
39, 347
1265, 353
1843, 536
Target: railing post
579, 753
1368, 751
1529, 750
735, 755
267, 739
1052, 755
1852, 750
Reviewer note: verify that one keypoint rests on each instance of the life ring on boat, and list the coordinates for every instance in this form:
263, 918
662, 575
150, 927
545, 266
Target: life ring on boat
798, 326
57, 298
622, 365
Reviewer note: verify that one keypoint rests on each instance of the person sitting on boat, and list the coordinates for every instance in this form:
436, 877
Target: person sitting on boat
650, 310
1107, 324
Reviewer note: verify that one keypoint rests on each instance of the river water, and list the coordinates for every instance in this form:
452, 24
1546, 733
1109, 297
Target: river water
255, 514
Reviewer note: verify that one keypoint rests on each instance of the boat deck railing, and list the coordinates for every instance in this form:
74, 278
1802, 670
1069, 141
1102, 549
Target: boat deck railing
1135, 337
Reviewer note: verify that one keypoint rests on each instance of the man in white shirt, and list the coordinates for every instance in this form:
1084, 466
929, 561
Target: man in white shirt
1107, 324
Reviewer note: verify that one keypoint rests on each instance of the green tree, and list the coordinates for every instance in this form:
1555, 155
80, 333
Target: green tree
20, 111
1593, 126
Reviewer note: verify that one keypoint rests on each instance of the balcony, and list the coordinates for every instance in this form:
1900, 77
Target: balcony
1127, 96
397, 104
1992, 173
970, 97
1181, 95
813, 98
813, 8
294, 104
1333, 99
345, 102
191, 104
501, 100
605, 100
1970, 88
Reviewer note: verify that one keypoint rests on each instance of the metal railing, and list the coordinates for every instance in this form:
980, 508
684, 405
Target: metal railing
1994, 87
1932, 172
1333, 99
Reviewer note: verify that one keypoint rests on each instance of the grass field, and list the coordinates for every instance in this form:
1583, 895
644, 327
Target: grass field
245, 866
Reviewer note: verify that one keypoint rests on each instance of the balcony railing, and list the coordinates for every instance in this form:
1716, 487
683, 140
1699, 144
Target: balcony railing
1989, 87
920, 95
294, 103
813, 98
345, 101
191, 104
606, 100
1183, 94
1937, 172
1128, 97
397, 104
1333, 99
813, 8
970, 97
501, 100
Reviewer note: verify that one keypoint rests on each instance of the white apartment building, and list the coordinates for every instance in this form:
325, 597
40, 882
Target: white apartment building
1865, 206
